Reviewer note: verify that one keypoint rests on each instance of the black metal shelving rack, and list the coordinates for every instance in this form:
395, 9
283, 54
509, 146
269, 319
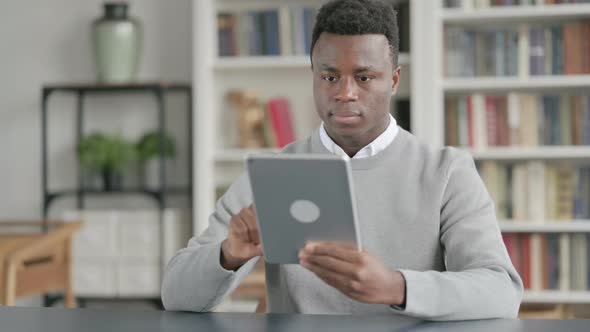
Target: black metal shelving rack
159, 90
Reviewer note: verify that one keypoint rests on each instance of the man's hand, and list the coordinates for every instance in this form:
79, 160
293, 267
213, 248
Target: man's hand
243, 240
358, 275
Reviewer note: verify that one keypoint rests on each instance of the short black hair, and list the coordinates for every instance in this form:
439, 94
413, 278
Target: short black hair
358, 17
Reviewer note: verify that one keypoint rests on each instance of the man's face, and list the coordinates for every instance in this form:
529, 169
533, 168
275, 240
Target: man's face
353, 81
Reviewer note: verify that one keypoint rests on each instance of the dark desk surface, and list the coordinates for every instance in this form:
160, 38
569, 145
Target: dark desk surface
78, 320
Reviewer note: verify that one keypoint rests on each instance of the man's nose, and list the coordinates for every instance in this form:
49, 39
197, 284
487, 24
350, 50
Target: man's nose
347, 91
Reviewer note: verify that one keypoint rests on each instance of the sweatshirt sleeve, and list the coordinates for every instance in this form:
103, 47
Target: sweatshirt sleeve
480, 281
194, 279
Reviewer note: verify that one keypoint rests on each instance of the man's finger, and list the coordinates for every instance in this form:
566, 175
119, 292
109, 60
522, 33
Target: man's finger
343, 251
250, 220
332, 264
242, 226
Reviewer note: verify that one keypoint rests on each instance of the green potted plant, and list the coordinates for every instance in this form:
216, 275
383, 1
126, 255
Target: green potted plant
107, 155
148, 151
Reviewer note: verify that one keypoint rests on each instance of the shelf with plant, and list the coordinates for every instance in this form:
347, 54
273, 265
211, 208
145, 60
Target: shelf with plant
148, 153
105, 156
109, 157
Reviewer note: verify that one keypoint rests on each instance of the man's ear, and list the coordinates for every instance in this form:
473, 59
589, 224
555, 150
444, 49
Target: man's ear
395, 79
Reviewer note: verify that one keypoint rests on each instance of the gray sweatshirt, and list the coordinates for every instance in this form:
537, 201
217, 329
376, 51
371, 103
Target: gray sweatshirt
422, 211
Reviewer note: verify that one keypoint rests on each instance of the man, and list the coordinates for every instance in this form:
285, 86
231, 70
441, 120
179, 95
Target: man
432, 246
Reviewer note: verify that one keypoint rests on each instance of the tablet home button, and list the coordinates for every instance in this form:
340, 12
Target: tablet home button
305, 211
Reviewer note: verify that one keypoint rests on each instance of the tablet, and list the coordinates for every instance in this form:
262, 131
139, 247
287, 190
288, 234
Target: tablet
300, 198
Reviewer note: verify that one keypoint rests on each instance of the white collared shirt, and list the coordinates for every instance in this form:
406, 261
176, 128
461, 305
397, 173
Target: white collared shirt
377, 145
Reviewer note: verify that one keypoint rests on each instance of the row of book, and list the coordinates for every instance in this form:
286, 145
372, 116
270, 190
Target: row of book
538, 192
480, 121
468, 4
282, 31
529, 50
551, 261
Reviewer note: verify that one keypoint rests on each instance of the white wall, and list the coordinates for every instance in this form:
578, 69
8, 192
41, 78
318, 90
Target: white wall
45, 41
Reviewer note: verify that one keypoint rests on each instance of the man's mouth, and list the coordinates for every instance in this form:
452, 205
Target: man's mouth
344, 113
345, 117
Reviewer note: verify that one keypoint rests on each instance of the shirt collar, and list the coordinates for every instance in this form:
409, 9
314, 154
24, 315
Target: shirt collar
377, 145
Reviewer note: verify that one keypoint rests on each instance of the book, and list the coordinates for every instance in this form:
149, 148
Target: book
579, 264
523, 50
279, 113
564, 262
536, 191
284, 30
537, 51
451, 121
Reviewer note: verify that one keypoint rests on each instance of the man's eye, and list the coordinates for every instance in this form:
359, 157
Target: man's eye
330, 78
364, 78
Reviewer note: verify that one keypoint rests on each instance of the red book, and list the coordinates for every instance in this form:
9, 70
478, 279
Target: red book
509, 244
281, 122
586, 47
526, 260
516, 256
573, 43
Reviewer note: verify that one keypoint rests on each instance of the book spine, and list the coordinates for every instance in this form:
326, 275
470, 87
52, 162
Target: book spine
271, 33
537, 51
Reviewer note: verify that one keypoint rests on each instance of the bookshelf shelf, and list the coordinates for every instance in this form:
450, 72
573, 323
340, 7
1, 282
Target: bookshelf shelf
239, 155
515, 14
257, 62
553, 226
515, 84
533, 153
556, 297
275, 62
241, 5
